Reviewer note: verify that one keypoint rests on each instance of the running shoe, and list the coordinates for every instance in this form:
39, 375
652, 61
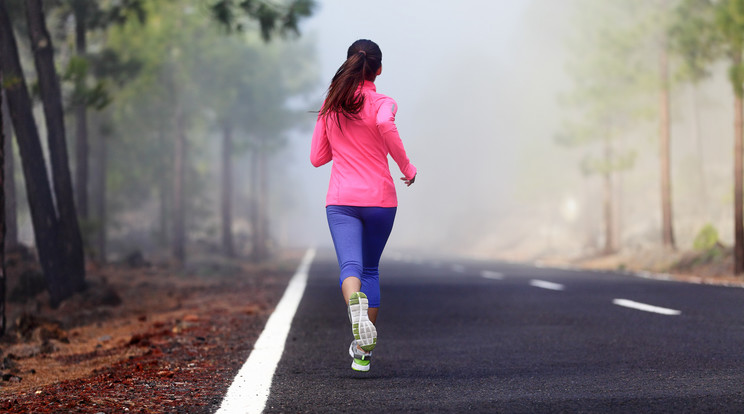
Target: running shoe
363, 329
361, 359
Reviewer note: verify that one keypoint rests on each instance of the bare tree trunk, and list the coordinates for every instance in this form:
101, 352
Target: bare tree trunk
253, 210
227, 191
11, 208
100, 194
179, 239
738, 204
38, 190
81, 122
164, 194
263, 204
258, 248
664, 153
607, 200
3, 283
699, 142
589, 222
71, 240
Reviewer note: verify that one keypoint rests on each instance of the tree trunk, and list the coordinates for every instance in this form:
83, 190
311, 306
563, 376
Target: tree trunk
227, 191
164, 193
263, 204
588, 219
179, 157
3, 283
738, 204
100, 194
11, 212
38, 190
609, 247
255, 210
70, 239
81, 120
699, 144
664, 153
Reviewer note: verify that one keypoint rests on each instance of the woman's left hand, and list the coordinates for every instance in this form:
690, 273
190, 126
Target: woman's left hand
407, 181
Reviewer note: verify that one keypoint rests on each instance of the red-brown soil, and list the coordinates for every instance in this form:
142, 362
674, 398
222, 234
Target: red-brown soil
141, 339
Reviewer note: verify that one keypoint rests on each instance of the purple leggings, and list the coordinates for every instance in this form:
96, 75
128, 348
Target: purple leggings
359, 236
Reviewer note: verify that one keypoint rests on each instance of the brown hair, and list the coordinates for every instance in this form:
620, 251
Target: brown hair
363, 59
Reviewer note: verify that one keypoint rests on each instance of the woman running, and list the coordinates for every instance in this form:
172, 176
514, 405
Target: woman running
356, 129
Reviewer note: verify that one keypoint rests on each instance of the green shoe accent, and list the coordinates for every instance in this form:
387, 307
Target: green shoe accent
370, 347
360, 365
362, 328
354, 298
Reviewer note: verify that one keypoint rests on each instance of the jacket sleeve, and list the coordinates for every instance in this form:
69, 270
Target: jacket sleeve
320, 148
388, 130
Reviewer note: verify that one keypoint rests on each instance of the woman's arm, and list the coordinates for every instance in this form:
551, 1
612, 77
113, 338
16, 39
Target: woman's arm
320, 148
389, 131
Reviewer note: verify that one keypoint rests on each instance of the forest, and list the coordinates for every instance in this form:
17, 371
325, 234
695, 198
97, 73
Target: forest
140, 125
640, 74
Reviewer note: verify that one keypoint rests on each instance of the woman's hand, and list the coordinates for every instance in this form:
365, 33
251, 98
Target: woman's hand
407, 181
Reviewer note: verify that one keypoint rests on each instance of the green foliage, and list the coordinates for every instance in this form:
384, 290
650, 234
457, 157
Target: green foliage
95, 96
706, 239
615, 79
271, 17
707, 243
693, 37
729, 22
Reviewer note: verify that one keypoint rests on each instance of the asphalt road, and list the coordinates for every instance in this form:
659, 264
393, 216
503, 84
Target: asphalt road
494, 337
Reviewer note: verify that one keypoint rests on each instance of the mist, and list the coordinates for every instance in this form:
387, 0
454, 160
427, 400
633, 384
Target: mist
485, 90
481, 88
448, 69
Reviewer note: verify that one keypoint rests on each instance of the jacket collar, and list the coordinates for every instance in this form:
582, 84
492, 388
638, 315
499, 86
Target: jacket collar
368, 86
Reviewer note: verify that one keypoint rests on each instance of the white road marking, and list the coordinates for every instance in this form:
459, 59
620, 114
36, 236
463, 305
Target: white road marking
488, 274
644, 307
250, 389
458, 268
546, 285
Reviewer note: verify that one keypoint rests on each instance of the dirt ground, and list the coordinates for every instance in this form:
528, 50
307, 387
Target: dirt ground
142, 338
714, 267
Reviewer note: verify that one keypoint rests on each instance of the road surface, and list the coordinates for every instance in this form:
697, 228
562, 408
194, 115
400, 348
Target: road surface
467, 336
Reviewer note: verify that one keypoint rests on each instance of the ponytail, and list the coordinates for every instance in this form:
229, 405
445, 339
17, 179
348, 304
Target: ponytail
363, 60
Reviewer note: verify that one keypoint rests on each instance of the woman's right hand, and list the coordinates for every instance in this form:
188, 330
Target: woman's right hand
407, 181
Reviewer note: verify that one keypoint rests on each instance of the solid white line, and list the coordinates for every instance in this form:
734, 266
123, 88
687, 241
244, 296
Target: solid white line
546, 285
488, 274
644, 307
250, 389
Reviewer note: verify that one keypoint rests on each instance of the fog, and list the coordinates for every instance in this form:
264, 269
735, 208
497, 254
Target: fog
479, 86
448, 69
487, 91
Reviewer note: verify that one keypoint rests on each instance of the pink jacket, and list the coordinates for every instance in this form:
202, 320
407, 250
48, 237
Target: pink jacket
360, 175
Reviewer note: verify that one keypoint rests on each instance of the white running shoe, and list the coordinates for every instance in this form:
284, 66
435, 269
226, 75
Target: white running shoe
361, 359
363, 329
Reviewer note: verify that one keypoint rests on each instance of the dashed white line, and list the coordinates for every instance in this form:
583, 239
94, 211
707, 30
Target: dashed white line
645, 307
458, 268
546, 285
489, 274
250, 389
